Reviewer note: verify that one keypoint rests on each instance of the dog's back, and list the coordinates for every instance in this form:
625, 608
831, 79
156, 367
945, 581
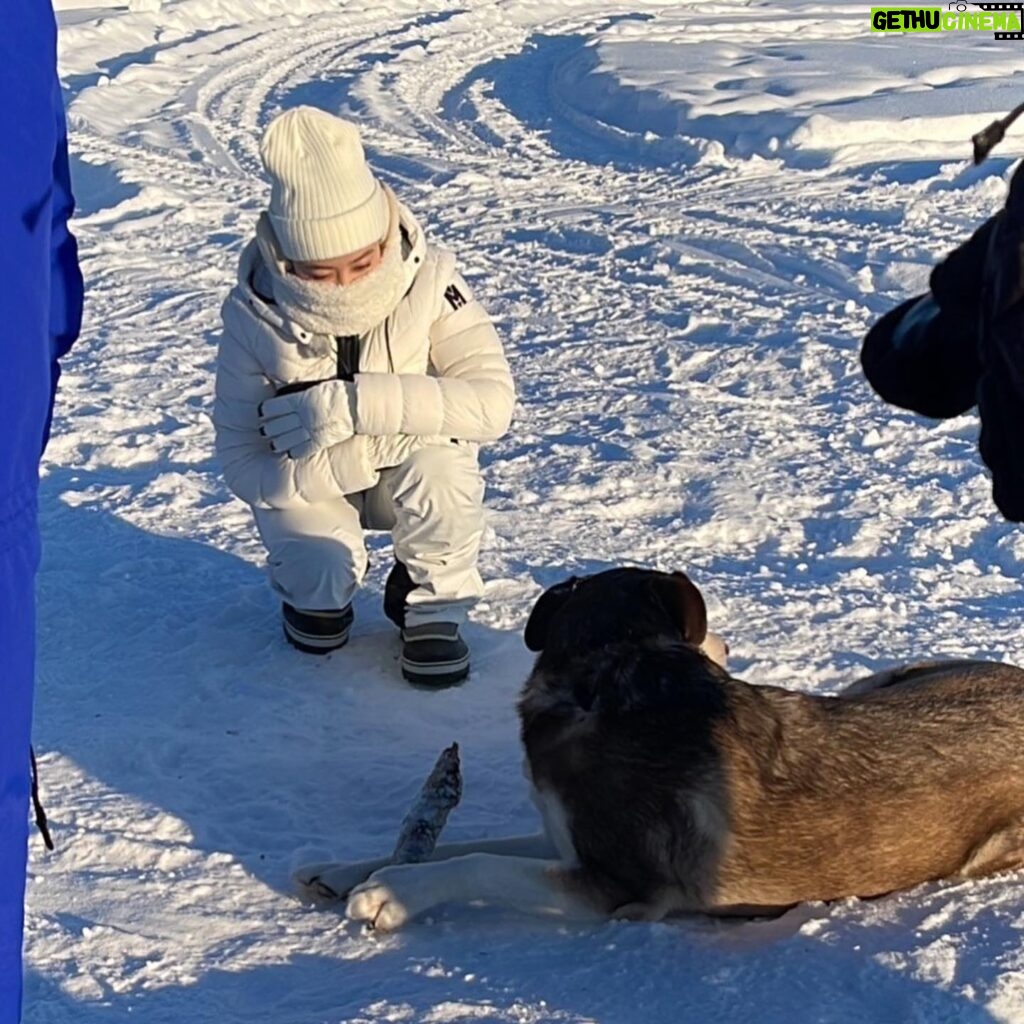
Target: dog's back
864, 795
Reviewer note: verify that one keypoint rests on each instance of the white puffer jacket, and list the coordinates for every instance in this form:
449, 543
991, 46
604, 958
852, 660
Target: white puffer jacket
432, 372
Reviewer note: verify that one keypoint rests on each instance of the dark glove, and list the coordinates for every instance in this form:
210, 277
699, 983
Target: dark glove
924, 355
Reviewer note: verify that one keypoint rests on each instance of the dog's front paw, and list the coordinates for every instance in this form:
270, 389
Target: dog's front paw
379, 902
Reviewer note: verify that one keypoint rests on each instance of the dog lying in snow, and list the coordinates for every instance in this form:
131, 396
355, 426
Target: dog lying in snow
666, 785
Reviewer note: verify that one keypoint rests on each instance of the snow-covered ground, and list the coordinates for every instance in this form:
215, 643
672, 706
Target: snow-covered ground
683, 217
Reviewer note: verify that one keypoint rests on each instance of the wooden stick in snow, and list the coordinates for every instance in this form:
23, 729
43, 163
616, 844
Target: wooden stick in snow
429, 812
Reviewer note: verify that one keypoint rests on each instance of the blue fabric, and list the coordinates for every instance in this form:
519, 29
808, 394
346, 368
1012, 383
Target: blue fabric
66, 287
40, 311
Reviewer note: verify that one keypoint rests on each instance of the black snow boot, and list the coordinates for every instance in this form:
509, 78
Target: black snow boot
434, 655
397, 587
316, 632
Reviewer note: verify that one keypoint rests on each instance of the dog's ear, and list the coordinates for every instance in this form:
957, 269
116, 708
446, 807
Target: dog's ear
692, 612
548, 604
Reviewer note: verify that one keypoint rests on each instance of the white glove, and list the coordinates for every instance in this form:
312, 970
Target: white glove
303, 422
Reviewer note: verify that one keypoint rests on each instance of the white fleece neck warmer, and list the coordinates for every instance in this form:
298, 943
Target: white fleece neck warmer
337, 309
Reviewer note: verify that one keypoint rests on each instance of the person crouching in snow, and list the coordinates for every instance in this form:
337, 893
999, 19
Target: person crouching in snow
356, 377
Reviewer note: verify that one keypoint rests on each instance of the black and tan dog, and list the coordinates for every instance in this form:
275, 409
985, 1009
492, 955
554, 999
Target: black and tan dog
666, 785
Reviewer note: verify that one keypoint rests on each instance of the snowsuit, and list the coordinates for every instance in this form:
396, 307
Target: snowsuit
961, 344
40, 311
431, 383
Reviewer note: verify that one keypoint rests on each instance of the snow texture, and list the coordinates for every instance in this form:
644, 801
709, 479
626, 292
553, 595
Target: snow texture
683, 217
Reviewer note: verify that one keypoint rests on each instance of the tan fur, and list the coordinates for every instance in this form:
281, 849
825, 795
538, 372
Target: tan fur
865, 795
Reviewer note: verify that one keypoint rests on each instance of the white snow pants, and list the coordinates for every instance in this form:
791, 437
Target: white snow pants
433, 505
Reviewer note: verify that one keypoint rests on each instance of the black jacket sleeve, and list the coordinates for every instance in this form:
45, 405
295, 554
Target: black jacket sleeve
933, 366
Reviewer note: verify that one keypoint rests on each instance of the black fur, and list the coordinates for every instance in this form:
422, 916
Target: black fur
614, 606
618, 720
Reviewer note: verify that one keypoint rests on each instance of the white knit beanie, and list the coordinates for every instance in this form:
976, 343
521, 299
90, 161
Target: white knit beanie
324, 199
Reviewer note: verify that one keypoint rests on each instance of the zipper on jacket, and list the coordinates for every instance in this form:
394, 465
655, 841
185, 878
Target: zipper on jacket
347, 348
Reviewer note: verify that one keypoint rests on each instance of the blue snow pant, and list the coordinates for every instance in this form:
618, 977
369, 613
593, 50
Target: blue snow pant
18, 560
40, 313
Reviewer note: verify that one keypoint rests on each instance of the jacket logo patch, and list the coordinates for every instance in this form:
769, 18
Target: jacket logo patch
455, 298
